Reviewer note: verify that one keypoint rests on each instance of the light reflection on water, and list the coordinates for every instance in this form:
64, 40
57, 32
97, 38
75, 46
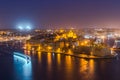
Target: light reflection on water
68, 67
62, 67
39, 56
59, 59
49, 60
83, 65
22, 69
87, 69
52, 66
91, 66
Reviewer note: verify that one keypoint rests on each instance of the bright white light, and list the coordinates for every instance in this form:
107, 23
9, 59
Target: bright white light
20, 27
24, 26
28, 28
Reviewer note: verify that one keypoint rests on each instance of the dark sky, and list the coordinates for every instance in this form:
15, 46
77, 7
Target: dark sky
60, 13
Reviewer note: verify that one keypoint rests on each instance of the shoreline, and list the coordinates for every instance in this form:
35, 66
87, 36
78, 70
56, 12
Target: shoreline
9, 51
85, 56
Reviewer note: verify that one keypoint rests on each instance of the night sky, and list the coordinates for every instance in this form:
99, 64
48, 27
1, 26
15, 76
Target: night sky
60, 13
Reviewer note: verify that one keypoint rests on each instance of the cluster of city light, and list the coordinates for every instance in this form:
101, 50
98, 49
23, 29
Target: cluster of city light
85, 43
9, 38
66, 35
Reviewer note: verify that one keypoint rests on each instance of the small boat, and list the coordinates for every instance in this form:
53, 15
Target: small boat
26, 57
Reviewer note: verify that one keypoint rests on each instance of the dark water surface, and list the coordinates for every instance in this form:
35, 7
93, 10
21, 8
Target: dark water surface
50, 66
